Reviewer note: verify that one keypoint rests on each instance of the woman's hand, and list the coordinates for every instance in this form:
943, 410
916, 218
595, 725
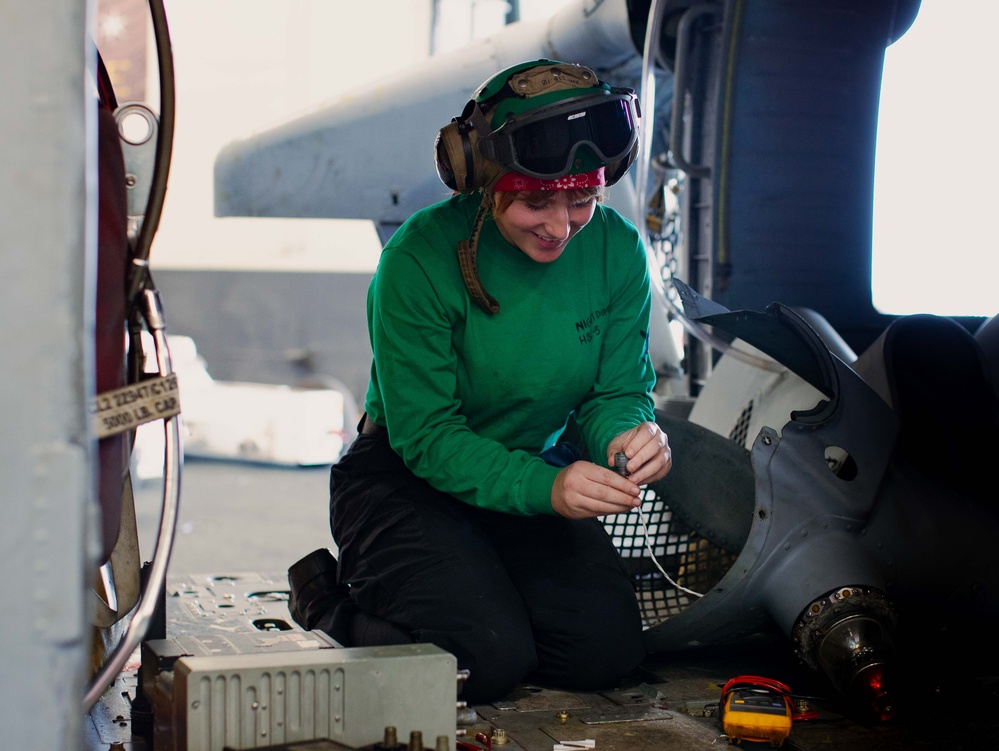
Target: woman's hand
584, 489
648, 452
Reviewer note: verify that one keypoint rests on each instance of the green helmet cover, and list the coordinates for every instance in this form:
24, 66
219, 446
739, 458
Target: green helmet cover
508, 94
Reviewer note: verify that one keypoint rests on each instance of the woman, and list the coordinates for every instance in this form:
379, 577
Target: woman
503, 321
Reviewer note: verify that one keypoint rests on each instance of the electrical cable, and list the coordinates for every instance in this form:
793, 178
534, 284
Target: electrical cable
648, 546
621, 467
139, 273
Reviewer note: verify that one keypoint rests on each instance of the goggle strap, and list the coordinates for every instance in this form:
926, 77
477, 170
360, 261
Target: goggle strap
480, 124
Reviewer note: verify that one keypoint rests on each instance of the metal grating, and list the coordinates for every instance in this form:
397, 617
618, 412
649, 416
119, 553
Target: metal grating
690, 560
740, 430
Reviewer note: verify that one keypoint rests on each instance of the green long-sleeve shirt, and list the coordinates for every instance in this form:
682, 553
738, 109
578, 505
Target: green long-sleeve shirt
470, 399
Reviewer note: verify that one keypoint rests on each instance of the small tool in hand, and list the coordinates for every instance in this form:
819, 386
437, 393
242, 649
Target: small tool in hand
621, 463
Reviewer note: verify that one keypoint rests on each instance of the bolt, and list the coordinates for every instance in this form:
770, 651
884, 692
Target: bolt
391, 737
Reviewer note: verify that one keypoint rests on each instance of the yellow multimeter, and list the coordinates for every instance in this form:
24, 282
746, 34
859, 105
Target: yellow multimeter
756, 709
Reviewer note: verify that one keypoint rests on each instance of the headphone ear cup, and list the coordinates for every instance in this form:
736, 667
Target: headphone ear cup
442, 161
455, 158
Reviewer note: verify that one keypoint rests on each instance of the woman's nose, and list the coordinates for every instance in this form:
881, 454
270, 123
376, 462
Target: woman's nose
557, 222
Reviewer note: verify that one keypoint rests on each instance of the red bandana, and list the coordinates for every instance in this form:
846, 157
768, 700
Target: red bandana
512, 182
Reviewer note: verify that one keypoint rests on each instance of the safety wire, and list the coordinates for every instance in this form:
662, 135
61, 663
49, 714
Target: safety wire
648, 546
621, 466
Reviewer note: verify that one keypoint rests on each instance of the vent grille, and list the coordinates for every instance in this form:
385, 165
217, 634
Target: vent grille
690, 560
740, 431
230, 711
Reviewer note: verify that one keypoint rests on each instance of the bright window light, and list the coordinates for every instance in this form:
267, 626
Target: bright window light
936, 191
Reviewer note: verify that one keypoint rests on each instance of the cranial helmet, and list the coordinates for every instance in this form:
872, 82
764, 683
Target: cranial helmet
545, 119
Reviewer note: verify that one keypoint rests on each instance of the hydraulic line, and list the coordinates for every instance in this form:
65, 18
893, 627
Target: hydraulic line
143, 302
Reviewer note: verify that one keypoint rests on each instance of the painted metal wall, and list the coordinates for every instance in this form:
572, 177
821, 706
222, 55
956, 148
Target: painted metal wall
48, 186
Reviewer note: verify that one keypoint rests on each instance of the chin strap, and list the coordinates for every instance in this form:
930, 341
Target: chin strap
466, 258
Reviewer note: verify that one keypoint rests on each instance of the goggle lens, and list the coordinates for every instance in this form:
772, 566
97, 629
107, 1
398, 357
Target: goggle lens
546, 147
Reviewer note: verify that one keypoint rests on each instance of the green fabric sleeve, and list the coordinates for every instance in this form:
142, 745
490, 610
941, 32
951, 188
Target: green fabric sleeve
621, 395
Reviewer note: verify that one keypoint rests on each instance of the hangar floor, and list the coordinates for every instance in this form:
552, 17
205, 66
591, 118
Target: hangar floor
241, 525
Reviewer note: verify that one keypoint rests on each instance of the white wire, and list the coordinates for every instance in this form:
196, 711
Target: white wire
648, 546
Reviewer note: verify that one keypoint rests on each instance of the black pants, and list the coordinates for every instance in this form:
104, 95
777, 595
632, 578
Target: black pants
512, 597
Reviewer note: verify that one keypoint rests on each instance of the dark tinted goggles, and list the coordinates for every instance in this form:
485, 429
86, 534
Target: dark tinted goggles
544, 143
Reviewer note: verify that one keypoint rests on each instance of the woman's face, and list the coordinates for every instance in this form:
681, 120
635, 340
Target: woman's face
542, 229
